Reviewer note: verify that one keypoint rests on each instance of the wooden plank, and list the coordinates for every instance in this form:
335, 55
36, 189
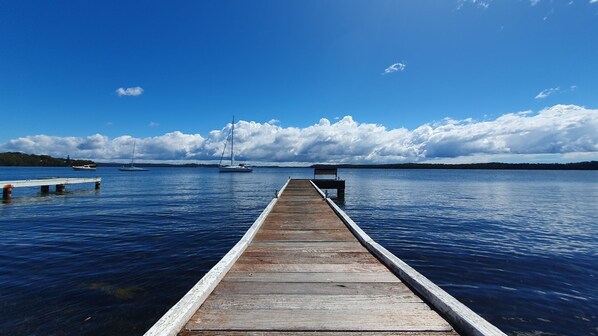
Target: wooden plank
336, 288
308, 199
317, 320
311, 226
306, 235
378, 303
285, 218
312, 277
309, 268
288, 257
295, 207
320, 258
314, 333
306, 223
324, 218
315, 247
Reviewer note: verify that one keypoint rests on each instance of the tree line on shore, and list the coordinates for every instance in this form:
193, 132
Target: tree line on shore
32, 160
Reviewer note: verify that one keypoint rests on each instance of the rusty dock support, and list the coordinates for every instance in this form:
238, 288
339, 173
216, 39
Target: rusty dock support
305, 268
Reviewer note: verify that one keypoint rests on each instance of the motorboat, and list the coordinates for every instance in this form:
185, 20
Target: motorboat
84, 167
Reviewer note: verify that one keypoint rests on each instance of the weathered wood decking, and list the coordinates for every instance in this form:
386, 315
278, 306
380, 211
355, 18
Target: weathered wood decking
302, 271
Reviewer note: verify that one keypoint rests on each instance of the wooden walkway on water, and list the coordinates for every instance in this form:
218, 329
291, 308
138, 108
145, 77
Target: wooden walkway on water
305, 268
45, 183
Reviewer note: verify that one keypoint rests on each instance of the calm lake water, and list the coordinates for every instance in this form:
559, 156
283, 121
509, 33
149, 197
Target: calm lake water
518, 247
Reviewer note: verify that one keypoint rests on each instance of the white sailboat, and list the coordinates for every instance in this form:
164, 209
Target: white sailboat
131, 167
232, 168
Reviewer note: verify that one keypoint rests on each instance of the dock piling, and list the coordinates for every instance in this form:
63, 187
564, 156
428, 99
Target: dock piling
340, 193
45, 189
7, 192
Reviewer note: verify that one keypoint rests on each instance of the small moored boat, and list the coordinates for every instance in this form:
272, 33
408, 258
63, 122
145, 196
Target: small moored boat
131, 167
84, 167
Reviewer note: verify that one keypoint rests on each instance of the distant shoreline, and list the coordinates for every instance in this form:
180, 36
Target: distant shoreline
13, 159
586, 165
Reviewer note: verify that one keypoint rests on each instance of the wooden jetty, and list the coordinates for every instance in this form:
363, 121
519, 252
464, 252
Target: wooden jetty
45, 183
305, 268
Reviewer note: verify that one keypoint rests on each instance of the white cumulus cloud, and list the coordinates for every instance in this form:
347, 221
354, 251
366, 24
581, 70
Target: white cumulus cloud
132, 91
561, 130
394, 68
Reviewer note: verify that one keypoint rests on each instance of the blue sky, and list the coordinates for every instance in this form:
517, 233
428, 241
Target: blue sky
84, 78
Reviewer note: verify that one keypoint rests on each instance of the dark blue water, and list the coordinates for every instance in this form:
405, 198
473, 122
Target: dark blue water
518, 247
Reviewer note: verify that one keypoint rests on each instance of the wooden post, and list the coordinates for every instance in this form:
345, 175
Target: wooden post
7, 192
59, 188
98, 185
340, 194
45, 189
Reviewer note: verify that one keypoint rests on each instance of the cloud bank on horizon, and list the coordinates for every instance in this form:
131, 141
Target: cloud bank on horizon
566, 130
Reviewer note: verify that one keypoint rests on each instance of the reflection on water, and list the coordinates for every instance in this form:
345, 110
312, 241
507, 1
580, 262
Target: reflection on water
519, 247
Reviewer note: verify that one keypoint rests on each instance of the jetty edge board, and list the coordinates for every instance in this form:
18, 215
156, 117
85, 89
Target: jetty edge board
304, 267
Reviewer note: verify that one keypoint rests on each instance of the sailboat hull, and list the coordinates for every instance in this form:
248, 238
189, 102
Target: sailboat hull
235, 169
132, 169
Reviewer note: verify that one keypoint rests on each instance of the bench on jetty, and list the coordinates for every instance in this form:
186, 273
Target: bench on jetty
45, 183
329, 183
305, 268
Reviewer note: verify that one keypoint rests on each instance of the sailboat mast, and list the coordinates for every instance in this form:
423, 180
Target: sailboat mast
133, 157
232, 143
